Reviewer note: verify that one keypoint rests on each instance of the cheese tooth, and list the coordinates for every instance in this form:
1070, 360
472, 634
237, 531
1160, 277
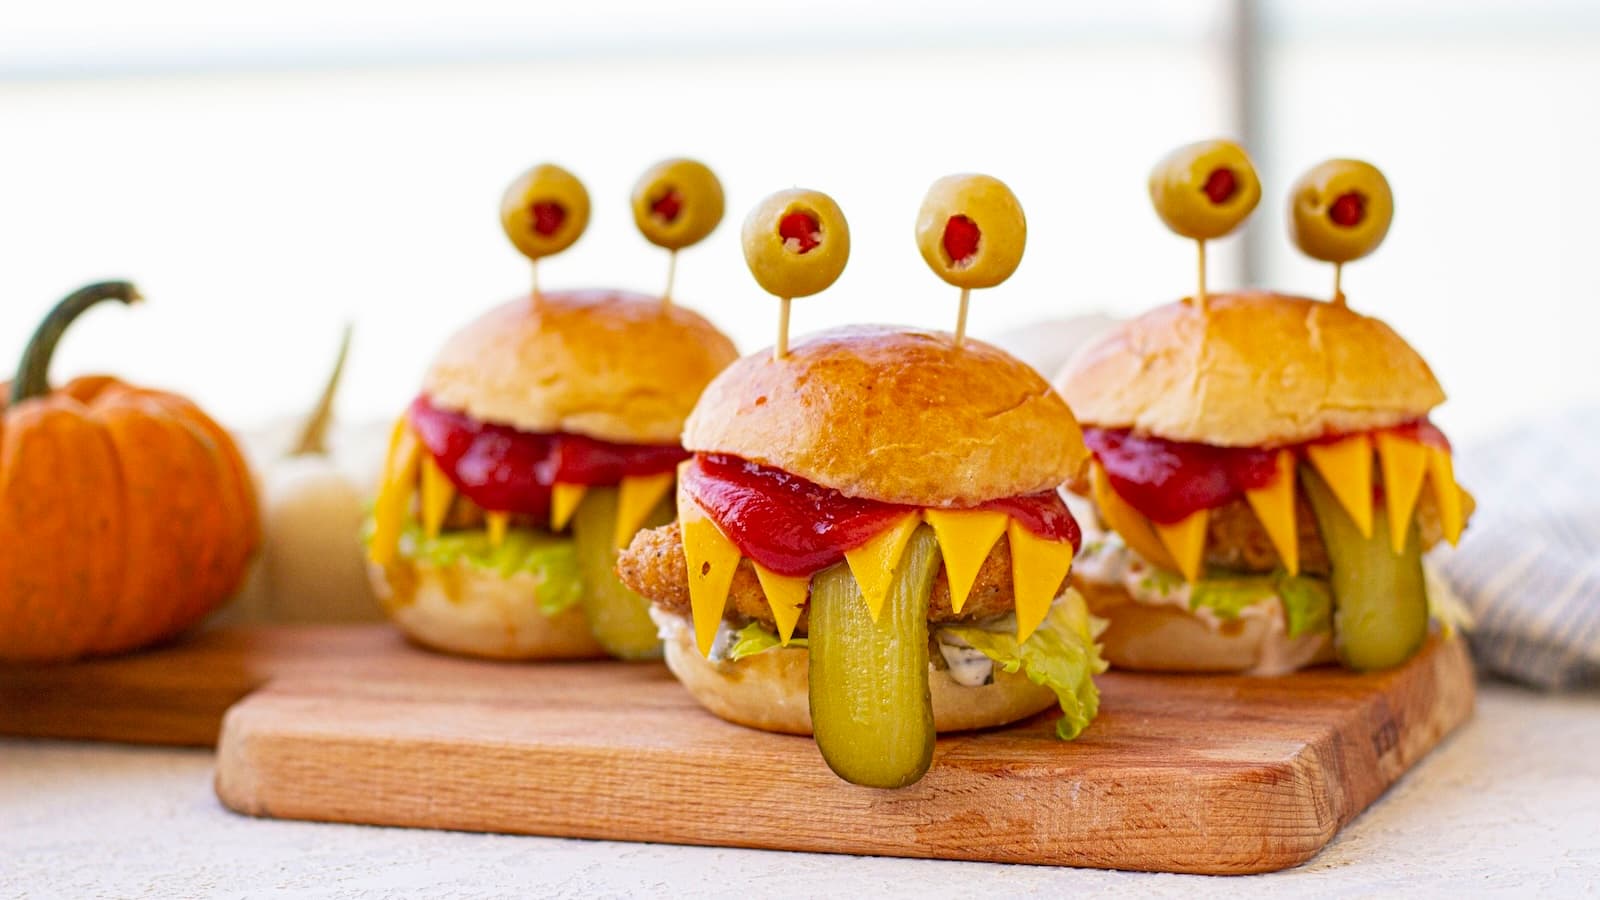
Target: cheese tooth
873, 564
637, 498
497, 524
1185, 541
1038, 566
1403, 463
786, 595
1346, 465
965, 539
393, 504
1122, 518
437, 494
564, 500
1274, 507
1442, 475
712, 560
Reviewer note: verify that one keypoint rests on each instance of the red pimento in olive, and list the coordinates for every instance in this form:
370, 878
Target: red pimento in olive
668, 206
800, 232
1348, 210
547, 217
1220, 185
961, 236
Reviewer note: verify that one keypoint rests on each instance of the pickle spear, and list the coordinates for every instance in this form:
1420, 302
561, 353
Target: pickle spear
870, 707
619, 618
1380, 603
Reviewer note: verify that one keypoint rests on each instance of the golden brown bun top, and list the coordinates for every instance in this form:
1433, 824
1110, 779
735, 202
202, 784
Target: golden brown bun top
1253, 369
612, 365
891, 414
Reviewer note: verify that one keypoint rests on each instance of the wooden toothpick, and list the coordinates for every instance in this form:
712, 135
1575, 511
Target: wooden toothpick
781, 348
672, 275
961, 317
1338, 284
1200, 296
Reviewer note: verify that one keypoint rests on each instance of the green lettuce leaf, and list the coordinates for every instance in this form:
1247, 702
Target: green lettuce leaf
551, 561
1307, 604
756, 638
1061, 655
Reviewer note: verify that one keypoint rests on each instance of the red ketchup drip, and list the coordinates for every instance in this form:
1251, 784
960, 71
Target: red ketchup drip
502, 469
1168, 481
794, 527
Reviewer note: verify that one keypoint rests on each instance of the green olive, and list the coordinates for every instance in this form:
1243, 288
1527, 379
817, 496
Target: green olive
545, 211
1340, 210
677, 203
796, 243
1205, 190
971, 230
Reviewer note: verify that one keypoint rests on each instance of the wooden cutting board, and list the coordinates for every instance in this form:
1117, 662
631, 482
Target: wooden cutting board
349, 724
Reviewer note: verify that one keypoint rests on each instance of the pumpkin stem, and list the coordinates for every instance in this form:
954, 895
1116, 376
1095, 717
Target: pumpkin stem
33, 373
314, 433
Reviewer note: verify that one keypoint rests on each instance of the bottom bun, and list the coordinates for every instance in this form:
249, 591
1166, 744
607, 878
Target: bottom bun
461, 609
1163, 638
771, 690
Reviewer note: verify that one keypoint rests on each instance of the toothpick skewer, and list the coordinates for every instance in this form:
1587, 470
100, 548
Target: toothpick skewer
672, 275
961, 316
781, 348
1200, 295
1338, 284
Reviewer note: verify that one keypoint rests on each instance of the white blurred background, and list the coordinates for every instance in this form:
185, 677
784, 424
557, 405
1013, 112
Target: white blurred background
267, 172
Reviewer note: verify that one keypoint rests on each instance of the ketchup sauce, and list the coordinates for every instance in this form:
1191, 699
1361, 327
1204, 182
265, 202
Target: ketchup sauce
502, 469
795, 527
1168, 481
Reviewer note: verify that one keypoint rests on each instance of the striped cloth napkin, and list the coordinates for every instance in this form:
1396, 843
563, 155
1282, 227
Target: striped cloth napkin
1528, 567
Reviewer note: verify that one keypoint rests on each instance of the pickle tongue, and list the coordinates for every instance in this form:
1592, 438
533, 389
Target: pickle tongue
1380, 602
618, 618
870, 707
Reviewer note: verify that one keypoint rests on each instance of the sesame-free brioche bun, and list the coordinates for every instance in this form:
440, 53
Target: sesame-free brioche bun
611, 365
1252, 369
471, 612
771, 690
896, 415
1164, 638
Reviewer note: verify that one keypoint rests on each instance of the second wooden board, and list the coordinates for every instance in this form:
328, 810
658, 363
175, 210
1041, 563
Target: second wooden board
1185, 774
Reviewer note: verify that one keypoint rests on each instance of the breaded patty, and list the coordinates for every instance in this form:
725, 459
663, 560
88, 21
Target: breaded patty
654, 567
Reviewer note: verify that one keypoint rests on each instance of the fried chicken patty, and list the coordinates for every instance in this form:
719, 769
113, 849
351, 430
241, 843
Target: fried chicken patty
654, 567
1236, 541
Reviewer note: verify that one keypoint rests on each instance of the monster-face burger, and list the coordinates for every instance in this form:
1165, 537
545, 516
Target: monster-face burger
1264, 463
545, 436
870, 547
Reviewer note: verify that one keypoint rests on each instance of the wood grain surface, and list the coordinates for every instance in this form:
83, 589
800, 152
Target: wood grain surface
1186, 774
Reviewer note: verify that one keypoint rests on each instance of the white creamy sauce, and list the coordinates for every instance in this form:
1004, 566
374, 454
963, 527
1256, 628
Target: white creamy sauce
1108, 561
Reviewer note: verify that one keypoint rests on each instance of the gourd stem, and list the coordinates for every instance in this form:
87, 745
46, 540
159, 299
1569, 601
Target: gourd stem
313, 440
33, 373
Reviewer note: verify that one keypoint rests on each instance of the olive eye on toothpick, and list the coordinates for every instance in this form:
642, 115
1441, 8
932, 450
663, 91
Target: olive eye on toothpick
971, 232
544, 212
676, 204
796, 244
1205, 191
1338, 212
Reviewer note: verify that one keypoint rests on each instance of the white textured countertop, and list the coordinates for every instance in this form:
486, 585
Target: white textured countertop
1510, 804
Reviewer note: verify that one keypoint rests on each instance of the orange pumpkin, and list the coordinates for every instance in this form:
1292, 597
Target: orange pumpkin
126, 514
